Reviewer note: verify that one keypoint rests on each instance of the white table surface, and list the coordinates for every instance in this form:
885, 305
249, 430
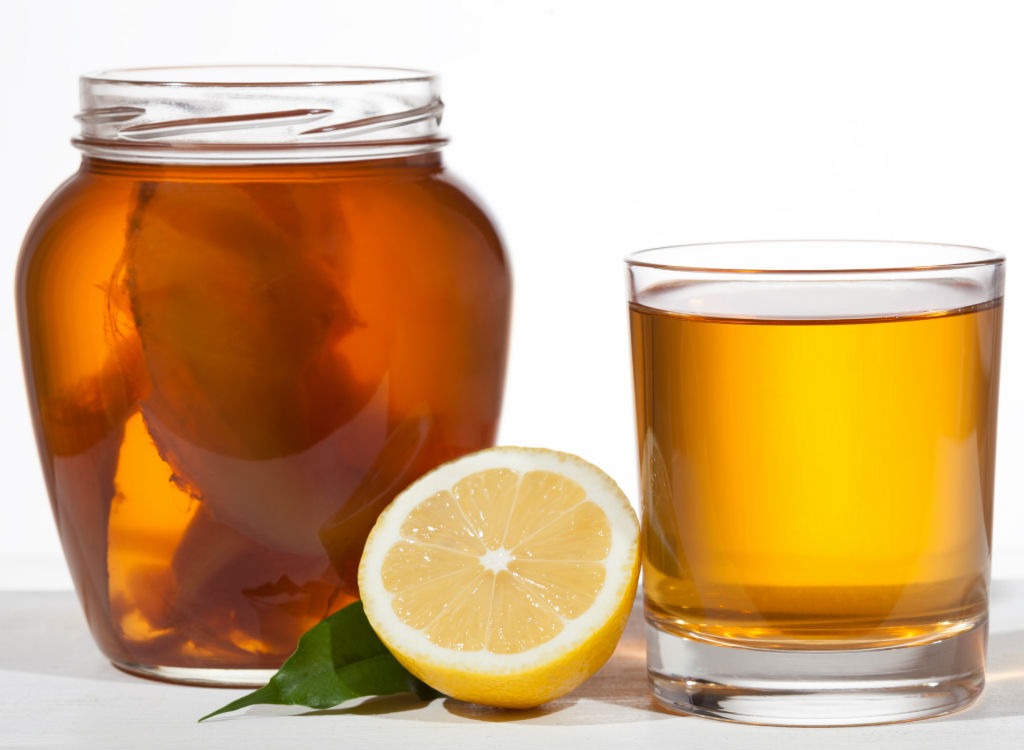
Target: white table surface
56, 690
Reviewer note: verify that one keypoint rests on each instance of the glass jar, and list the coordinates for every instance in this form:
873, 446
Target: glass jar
260, 309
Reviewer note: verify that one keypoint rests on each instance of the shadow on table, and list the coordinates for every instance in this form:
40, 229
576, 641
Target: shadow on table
618, 693
56, 642
45, 633
1004, 674
1004, 677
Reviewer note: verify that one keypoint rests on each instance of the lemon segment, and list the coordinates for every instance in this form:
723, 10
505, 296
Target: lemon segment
505, 577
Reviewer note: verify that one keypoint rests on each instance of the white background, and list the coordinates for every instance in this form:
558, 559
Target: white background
590, 129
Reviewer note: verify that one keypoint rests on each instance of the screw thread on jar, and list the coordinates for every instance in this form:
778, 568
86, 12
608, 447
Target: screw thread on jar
245, 114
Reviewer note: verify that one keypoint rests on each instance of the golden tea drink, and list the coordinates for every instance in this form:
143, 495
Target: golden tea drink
817, 463
238, 353
796, 494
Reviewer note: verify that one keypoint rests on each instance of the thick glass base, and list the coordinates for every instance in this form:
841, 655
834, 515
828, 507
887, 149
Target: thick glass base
820, 687
241, 678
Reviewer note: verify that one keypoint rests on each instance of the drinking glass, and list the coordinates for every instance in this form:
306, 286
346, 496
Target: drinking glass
816, 424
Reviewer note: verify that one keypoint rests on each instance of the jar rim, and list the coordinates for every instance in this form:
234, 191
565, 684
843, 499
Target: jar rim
258, 75
214, 114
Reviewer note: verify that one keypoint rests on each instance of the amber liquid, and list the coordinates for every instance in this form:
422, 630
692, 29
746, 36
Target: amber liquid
233, 369
816, 483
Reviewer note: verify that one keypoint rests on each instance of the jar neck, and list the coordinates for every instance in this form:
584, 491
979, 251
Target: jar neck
403, 167
259, 115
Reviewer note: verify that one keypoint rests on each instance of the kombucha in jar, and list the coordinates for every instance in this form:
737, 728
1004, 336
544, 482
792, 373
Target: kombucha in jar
260, 308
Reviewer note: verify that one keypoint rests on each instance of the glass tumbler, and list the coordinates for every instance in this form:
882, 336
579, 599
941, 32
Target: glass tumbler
816, 425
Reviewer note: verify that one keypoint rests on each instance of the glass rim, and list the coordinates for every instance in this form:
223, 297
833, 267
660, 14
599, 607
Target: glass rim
980, 257
263, 75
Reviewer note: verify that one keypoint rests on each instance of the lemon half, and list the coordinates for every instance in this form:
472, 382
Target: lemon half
505, 577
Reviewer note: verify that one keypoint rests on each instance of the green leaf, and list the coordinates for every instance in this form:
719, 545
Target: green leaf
336, 660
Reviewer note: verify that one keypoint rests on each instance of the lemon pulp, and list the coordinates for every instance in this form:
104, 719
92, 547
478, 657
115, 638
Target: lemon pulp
518, 576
